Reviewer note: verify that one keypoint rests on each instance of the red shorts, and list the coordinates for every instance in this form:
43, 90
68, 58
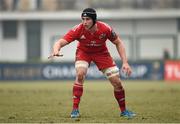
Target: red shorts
102, 60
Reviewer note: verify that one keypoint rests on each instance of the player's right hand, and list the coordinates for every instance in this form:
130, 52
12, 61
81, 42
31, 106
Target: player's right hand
55, 53
57, 46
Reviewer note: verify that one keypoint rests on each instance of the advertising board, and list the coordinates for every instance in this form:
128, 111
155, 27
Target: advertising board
66, 71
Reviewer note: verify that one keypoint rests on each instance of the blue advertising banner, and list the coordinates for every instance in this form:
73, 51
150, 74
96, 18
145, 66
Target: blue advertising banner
146, 71
66, 71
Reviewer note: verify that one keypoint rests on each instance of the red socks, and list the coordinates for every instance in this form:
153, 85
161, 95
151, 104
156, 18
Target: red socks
77, 93
120, 97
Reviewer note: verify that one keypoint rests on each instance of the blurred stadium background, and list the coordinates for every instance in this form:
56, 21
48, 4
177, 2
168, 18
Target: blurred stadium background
150, 30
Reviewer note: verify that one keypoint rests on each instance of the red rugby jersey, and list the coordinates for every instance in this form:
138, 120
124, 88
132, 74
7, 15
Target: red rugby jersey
91, 42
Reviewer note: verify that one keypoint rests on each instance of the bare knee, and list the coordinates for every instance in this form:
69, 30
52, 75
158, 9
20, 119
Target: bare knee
80, 76
117, 86
81, 70
116, 83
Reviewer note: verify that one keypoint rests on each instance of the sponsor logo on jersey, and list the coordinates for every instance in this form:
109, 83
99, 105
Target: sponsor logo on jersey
93, 43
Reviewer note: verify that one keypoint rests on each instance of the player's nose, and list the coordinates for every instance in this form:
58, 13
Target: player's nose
85, 21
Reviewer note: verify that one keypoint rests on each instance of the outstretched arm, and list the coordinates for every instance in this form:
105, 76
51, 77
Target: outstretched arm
57, 46
122, 53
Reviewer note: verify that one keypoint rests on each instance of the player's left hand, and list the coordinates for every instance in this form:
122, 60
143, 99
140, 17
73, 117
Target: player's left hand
126, 69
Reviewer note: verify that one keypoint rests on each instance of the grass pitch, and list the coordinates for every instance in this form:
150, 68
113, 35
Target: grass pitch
51, 102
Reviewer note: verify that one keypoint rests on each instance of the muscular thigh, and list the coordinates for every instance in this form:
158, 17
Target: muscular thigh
81, 71
82, 62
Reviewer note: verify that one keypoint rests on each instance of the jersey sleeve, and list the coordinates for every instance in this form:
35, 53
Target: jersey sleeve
72, 34
111, 34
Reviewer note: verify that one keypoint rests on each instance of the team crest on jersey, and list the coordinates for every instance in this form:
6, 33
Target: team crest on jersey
102, 36
82, 37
